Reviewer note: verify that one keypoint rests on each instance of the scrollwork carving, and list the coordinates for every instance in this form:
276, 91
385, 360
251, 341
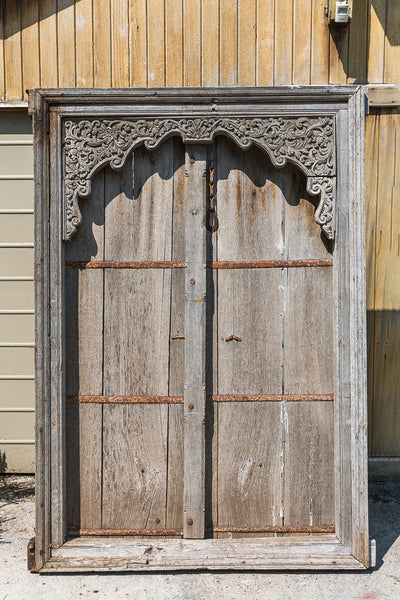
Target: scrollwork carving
324, 214
89, 144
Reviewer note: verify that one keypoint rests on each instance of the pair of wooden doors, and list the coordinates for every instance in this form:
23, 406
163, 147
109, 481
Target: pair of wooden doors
200, 374
199, 363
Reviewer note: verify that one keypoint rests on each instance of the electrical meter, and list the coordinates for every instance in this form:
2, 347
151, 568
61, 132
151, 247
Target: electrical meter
340, 11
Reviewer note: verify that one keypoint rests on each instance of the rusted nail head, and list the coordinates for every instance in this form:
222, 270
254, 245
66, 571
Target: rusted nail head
191, 160
190, 521
191, 406
192, 281
157, 520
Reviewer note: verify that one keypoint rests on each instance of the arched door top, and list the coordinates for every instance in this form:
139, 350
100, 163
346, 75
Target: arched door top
306, 142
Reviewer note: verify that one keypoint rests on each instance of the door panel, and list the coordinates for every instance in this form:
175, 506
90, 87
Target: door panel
268, 333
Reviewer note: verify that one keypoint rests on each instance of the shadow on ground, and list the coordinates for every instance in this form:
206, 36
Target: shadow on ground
384, 516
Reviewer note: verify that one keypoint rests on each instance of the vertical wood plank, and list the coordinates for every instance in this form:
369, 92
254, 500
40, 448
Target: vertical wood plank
247, 42
101, 43
338, 54
210, 42
309, 464
84, 365
307, 429
265, 42
358, 37
66, 43
48, 43
283, 42
173, 43
12, 49
371, 198
376, 41
250, 211
138, 44
195, 328
174, 518
386, 413
392, 43
156, 43
84, 43
137, 324
119, 43
228, 74
302, 53
192, 42
30, 45
320, 40
2, 64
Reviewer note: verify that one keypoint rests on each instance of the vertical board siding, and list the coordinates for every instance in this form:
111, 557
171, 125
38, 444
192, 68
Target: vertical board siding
84, 43
66, 43
383, 251
48, 49
119, 43
199, 42
102, 43
13, 49
30, 47
138, 43
173, 43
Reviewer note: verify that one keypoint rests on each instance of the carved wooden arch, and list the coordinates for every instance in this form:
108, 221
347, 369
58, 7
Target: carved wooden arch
306, 142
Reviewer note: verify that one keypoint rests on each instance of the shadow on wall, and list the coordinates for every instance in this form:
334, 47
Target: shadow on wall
35, 12
3, 462
355, 42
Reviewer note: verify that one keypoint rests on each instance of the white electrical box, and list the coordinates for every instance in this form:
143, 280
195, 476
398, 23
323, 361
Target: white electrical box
340, 11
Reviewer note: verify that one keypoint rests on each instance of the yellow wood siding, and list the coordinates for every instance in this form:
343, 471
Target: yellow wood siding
16, 293
193, 42
103, 43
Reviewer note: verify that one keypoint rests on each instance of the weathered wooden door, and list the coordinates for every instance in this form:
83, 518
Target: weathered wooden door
209, 415
200, 364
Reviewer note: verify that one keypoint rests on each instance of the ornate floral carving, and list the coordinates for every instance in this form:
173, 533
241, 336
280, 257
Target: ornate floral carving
89, 144
324, 214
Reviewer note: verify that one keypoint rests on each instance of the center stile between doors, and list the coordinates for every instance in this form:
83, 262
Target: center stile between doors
278, 448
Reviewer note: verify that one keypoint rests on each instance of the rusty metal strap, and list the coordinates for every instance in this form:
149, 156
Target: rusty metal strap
113, 264
179, 532
221, 264
216, 398
270, 264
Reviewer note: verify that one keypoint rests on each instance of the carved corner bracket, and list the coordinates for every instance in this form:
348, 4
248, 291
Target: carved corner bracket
307, 142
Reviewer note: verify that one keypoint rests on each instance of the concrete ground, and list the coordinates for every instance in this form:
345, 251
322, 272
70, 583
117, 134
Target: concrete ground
16, 528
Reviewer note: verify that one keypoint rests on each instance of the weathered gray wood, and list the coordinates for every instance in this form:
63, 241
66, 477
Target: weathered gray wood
84, 366
174, 508
347, 104
265, 553
195, 328
250, 305
56, 457
136, 343
357, 333
309, 464
39, 109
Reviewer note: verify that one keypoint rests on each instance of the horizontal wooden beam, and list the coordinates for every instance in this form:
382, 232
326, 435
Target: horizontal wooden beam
383, 96
216, 398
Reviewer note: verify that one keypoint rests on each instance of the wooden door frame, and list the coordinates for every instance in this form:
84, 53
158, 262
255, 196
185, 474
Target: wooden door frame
321, 131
